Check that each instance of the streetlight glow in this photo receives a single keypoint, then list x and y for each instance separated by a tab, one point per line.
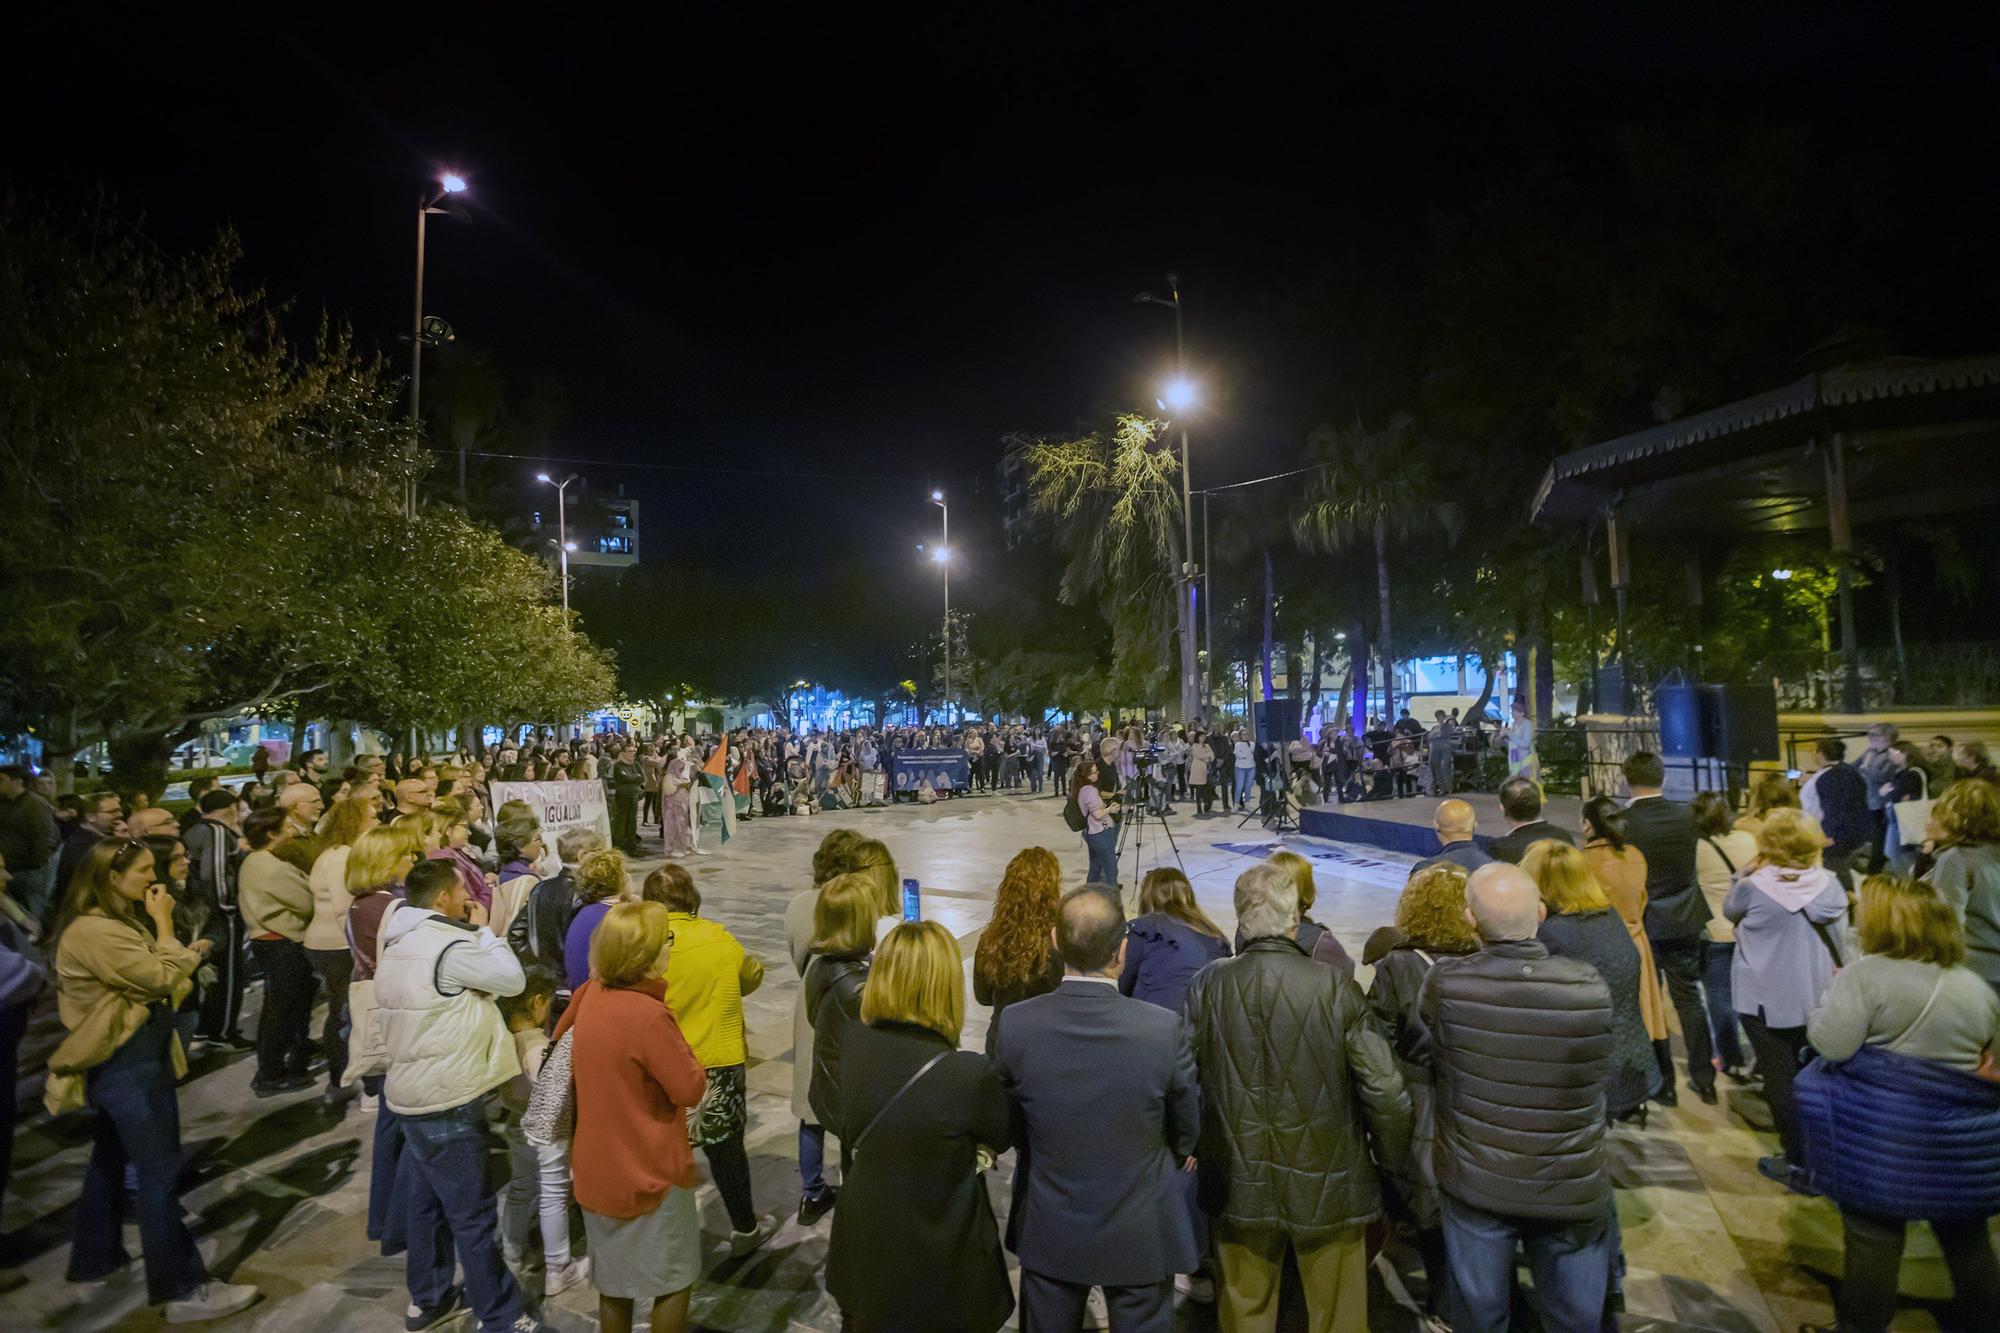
1180	395
1781	574
544	478
942	555
937	497
452	182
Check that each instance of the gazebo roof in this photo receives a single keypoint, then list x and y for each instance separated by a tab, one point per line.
1920	437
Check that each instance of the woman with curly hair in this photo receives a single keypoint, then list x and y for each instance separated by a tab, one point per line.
1965	831
1430	924
600	886
1016	958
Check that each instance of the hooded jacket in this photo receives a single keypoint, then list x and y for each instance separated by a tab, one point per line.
1790	927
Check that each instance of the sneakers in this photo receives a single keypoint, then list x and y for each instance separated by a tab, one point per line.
527	1323
1096	1313
341	1094
562	1277
747	1242
418	1317
367	1104
811	1209
1793	1178
277	1087
1197	1287
212	1300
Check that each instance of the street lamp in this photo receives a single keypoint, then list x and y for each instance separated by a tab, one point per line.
562	531
449	184
1180	396
943	558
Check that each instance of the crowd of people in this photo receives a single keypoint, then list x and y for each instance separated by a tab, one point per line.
1184	1104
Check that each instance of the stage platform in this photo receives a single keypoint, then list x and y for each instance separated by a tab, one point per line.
1405	826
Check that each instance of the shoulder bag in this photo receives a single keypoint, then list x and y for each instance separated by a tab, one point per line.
367	1046
551	1114
895	1097
1912	817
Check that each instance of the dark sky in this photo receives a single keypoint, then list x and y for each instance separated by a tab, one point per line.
870	247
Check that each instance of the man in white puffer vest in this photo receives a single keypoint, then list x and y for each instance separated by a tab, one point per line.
449	1051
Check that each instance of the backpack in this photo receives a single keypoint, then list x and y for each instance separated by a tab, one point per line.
1073	815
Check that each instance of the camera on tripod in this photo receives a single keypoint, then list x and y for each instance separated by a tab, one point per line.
1147	757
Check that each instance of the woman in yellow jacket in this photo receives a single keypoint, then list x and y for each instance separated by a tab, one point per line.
119	973
710	975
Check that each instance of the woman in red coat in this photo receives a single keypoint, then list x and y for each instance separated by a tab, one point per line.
635	1080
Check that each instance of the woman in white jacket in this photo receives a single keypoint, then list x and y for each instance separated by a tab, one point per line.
326	934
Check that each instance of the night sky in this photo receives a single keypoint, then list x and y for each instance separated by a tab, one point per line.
865	250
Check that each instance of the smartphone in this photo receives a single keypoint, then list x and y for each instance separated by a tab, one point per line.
913	903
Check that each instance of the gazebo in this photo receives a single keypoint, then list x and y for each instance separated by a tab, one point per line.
1853	444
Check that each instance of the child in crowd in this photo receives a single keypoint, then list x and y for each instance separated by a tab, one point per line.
540	1184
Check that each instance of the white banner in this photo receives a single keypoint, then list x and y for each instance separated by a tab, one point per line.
559	806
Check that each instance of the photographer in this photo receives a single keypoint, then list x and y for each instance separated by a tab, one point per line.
1100	832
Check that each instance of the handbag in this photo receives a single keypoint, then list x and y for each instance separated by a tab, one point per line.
551	1114
367	1044
1913	817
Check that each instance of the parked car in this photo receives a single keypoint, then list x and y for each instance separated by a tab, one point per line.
196	754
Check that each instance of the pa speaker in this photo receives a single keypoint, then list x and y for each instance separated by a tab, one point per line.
1739	723
1679	707
1277	721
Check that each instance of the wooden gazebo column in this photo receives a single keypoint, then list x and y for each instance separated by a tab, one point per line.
1840	538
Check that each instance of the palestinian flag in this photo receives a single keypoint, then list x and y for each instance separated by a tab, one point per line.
715	777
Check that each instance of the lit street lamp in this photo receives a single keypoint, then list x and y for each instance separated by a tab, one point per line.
562	532
1180	396
448	185
942	555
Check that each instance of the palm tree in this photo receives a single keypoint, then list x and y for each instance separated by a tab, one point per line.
1373	486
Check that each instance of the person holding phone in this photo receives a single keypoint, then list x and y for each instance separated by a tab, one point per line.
119	972
1100	830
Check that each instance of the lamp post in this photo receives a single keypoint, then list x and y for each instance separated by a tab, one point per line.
562	531
448	184
1180	396
943	557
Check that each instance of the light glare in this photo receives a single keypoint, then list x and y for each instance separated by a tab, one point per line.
452	182
942	555
544	478
1180	395
1781	574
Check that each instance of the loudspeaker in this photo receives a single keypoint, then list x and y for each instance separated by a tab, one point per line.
1679	706
1739	723
1277	720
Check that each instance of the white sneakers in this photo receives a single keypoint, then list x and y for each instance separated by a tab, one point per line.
747	1242
562	1277
212	1300
1197	1287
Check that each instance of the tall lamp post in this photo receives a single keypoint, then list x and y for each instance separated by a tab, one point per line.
943	557
448	184
562	531
1180	396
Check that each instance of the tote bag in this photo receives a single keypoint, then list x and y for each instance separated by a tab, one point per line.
1911	818
551	1114
367	1045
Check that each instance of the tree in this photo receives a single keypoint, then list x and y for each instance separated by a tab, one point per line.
1373	486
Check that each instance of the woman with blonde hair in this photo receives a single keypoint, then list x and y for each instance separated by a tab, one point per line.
1318	942
712	973
843	938
1965	828
1719	850
119	973
1789	912
915	1244
601	882
636	1079
1900	1130
1771	791
1620	869
1016	958
376	866
1580	924
838	853
326	934
1430	924
1168	942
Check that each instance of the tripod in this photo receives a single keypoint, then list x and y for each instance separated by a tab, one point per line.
1132	828
1277	815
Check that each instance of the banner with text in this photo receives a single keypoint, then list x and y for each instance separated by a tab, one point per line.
559	806
946	770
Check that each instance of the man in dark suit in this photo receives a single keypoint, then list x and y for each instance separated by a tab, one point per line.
1676	912
1842	796
1107	1116
1521	802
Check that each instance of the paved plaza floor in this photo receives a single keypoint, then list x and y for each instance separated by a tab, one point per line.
278	1187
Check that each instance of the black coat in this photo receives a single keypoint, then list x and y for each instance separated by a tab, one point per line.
539	930
1602	940
1295	1081
833	1000
998	998
1520	1047
1392	995
1511	847
1843	804
1106	1110
915	1246
1663	831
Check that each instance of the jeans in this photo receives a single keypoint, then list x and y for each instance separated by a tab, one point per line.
812	1161
13	1022
1778	1061
335	969
729	1167
1571	1262
1245	778
1103	849
386	1221
450	1201
138	1122
1680	962
537	1191
1875	1254
1721	1005
283	1027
